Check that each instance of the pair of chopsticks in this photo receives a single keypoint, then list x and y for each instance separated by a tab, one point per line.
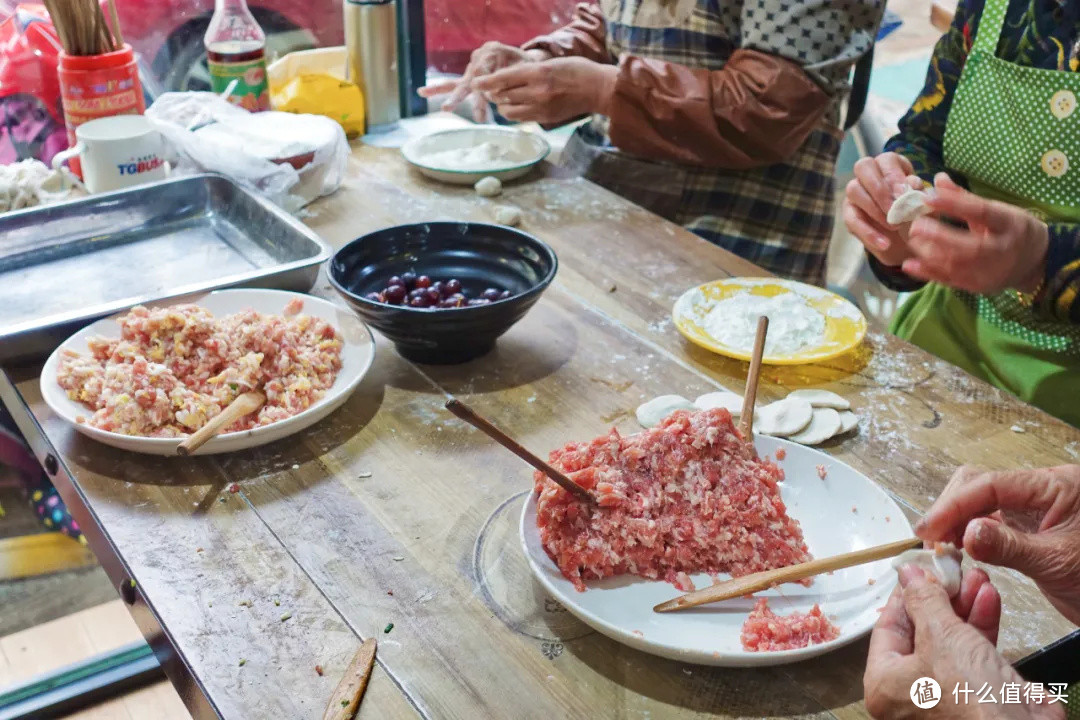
756	582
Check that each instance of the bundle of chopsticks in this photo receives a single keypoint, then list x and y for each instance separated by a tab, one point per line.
82	28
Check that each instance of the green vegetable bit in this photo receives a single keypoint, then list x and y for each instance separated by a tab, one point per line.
285	616
388	628
243	662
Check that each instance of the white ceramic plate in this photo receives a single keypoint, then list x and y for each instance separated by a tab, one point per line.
526	151
356	355
621	607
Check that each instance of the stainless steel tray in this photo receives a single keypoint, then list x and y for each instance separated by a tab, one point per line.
63	266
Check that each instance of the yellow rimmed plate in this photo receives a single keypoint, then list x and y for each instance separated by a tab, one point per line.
845	326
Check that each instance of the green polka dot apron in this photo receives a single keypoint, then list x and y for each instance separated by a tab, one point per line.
1014	133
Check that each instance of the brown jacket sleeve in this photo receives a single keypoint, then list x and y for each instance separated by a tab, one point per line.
585	36
757	110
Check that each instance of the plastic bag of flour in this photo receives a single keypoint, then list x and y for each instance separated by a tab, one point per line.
291	159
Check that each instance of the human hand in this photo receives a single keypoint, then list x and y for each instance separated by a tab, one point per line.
922	634
551	92
1027	520
1002	247
486	59
878	181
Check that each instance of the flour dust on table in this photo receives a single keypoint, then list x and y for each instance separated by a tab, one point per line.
793	324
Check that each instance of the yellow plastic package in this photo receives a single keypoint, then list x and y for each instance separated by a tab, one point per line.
313	81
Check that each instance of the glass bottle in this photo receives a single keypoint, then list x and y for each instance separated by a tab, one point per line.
236	51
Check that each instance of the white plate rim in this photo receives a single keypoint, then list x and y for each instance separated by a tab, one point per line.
527	528
408	150
226	441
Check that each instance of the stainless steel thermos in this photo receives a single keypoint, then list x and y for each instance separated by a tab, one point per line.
371	42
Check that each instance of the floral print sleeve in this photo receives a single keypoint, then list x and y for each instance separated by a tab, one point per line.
922	129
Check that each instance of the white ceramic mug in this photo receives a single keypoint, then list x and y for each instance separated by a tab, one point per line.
117	152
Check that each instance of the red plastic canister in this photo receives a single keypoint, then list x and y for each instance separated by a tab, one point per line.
94	86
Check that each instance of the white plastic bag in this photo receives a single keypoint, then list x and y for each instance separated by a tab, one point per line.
291	159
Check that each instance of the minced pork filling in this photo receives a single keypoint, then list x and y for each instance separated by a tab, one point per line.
688	496
174	368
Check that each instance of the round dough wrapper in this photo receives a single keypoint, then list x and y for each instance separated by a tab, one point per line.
821	398
723	399
508	215
650	414
943	563
908	207
488	186
848	422
783	417
824	424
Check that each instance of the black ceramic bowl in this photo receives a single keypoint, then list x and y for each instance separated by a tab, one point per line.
477	254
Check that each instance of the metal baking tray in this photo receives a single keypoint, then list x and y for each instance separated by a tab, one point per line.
63	266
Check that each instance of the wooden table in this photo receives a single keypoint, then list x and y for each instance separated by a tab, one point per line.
392	511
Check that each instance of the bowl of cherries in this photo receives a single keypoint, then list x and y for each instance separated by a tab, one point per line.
443	292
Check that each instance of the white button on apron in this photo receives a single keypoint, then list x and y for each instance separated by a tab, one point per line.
1062	104
1055	163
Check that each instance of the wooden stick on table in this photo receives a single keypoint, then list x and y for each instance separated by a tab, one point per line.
746	423
244	404
350	691
755	582
470	416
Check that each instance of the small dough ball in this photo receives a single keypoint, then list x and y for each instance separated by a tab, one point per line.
650	414
821	398
942	563
488	186
783	417
724	399
910	206
508	215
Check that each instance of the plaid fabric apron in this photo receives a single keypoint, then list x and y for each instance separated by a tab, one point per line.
779	217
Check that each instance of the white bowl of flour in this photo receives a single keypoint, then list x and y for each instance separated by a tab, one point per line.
463	156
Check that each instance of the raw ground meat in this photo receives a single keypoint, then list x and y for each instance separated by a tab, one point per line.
685	497
766	631
174	368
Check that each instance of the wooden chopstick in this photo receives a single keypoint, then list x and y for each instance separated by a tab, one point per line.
347	695
746	423
244	404
737	587
469	415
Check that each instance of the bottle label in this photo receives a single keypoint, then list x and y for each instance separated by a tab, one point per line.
252	91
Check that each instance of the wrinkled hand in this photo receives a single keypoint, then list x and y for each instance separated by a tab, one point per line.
486	59
1002	247
878	181
553	91
921	634
1027	520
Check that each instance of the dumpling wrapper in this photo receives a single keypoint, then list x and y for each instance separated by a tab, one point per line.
821	398
823	425
783	417
723	399
649	414
908	207
848	422
942	563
